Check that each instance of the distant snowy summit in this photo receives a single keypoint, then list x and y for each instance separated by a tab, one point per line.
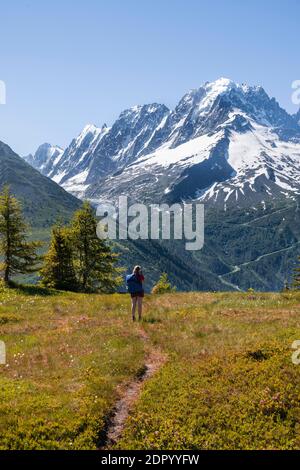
225	144
45	158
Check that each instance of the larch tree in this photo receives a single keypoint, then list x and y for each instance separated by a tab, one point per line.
19	255
94	261
58	269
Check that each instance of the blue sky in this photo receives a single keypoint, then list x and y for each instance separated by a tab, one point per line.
68	63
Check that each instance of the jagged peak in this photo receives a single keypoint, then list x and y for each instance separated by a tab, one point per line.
297	116
43	146
147	108
222	86
91	132
89	128
47	147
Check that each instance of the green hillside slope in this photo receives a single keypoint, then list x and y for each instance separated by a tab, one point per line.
43	200
257	248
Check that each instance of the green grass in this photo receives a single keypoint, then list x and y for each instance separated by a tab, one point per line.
228	383
66	356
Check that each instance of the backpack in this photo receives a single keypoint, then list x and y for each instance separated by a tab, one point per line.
133	285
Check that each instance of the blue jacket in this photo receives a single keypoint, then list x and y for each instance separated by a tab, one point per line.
133	285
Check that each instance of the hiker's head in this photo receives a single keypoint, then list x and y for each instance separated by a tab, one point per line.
137	270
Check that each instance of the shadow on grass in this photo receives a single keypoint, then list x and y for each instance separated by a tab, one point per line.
27	289
151	320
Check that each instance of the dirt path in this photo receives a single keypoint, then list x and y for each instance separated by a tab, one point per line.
128	396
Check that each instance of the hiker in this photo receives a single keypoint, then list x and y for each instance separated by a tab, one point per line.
135	288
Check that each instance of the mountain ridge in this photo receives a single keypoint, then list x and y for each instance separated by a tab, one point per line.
223	144
43	201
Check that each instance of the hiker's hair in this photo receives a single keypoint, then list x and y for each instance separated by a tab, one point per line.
136	269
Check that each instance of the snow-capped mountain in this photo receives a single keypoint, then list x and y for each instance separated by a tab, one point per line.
99	152
224	143
45	158
75	161
297	117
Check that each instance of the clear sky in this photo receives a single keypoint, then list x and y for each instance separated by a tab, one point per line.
68	63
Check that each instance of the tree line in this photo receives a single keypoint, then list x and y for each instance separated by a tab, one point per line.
77	260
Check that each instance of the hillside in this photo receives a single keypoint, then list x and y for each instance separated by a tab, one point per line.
257	248
71	357
43	201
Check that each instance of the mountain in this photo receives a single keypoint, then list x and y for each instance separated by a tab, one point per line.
225	144
43	201
254	248
99	152
72	166
297	117
45	158
228	145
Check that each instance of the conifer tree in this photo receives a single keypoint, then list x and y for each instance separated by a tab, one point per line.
163	285
58	270
19	255
296	282
94	261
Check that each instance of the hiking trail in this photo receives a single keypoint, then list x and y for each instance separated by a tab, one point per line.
115	424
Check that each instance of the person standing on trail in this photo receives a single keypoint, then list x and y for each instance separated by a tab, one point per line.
135	288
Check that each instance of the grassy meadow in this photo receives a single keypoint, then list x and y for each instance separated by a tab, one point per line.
228	382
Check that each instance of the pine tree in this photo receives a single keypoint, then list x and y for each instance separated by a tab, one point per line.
19	255
296	282
58	270
163	285
94	260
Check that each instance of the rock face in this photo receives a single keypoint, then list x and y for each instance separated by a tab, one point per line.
297	117
225	144
45	158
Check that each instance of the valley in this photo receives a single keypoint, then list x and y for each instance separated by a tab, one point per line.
229	146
